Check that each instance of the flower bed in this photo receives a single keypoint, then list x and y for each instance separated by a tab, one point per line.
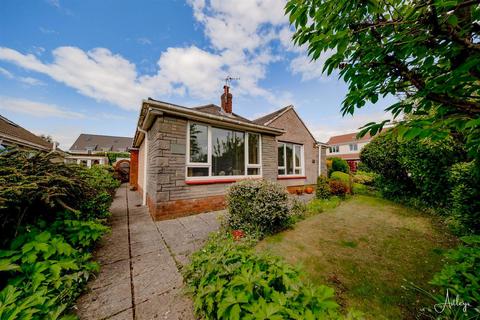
52	214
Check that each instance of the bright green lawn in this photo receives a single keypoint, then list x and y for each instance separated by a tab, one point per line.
367	249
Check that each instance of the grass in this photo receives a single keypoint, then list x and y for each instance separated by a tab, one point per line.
368	249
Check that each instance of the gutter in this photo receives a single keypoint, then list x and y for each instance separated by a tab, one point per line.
146	120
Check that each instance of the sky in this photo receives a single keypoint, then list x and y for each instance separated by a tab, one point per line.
71	67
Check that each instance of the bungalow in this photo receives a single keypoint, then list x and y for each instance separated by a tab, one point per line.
90	149
183	159
13	135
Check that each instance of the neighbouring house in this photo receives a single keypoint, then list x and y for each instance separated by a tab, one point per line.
183	159
90	149
347	147
13	135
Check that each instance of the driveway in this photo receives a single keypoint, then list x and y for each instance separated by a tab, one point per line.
140	263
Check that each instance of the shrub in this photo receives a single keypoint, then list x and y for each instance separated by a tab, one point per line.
341	176
338	188
460	277
359	188
257	206
465	195
44	274
339	165
323	189
51	211
363	177
230	281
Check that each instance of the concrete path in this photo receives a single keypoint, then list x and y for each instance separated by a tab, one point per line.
140	264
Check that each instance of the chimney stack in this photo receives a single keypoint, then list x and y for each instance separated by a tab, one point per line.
226	100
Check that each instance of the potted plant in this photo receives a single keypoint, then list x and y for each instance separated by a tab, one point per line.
309	189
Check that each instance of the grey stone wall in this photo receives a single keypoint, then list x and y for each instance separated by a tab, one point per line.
269	158
167	162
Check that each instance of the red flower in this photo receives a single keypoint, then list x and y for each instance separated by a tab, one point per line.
238	234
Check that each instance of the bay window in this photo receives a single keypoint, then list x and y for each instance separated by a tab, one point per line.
216	152
290	159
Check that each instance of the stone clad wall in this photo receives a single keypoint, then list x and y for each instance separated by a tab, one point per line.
168	194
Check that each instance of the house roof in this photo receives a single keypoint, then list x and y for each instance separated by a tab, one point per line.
14	133
208	113
348	137
216	110
267	119
346	156
95	142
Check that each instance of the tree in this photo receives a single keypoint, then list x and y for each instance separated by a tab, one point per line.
426	52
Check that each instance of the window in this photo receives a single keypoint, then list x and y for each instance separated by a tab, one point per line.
290	159
353	147
334	149
217	152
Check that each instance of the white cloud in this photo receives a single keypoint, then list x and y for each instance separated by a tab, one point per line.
31	81
47	31
240	34
37	109
27	80
7	74
309	69
337	125
144	41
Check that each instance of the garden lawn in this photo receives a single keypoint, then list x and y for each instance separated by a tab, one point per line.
368	249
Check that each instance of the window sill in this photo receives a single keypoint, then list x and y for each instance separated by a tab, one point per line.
290	177
216	181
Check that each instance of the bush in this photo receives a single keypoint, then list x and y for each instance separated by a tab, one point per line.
359	188
340	176
34	186
465	195
230	281
323	189
259	207
340	165
51	210
338	188
460	276
366	178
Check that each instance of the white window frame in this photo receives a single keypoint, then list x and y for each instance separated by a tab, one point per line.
353	146
208	164
334	149
284	167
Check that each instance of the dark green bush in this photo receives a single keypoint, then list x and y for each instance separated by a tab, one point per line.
339	165
229	280
323	189
382	156
258	206
50	222
460	276
465	197
338	188
427	174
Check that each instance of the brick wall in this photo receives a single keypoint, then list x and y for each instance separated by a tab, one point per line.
133	168
297	133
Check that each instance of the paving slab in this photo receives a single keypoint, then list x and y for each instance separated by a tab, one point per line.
140	263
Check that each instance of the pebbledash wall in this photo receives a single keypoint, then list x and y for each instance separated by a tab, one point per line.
168	193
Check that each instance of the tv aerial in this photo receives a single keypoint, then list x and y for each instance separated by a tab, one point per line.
229	79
